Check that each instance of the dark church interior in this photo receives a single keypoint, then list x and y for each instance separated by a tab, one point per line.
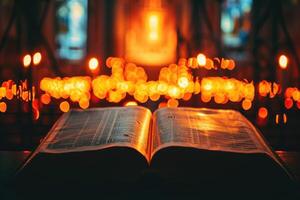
57	56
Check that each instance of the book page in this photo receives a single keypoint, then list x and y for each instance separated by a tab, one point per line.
93	129
209	129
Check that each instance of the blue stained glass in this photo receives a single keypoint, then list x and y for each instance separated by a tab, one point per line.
71	35
235	22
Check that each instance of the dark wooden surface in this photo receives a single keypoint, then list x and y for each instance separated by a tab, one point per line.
11	160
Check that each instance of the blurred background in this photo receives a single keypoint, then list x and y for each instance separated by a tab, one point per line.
262	37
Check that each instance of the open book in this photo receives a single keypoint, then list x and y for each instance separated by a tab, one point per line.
174	144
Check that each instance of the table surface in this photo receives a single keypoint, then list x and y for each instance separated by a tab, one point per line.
11	160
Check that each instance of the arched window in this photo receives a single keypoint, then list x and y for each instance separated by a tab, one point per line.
235	22
71	29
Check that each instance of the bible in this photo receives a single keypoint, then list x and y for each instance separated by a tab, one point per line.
176	145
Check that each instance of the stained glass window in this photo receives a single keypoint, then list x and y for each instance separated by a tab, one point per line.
235	22
71	29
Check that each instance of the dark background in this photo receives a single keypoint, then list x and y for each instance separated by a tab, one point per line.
29	26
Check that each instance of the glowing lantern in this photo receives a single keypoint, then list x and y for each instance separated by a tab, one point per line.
93	64
64	106
262	113
201	59
37	58
283	61
26	60
3	107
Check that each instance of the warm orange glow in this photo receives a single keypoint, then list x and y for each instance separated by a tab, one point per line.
37	58
131	103
201	59
275	90
296	95
183	82
172	103
93	64
75	88
2	92
277	119
9	94
262	113
64	106
151	37
288	103
283	61
264	87
84	103
162	105
26	60
246	104
3	107
298	104
284	118
154	26
45	99
205	98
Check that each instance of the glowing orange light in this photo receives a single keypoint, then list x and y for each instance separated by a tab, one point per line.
289	92
296	95
37	58
284	118
26	60
93	64
3	107
183	82
45	99
262	113
64	106
131	103
277	119
205	98
283	61
172	103
153	23
288	103
2	92
84	103
246	104
162	105
201	59
9	94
